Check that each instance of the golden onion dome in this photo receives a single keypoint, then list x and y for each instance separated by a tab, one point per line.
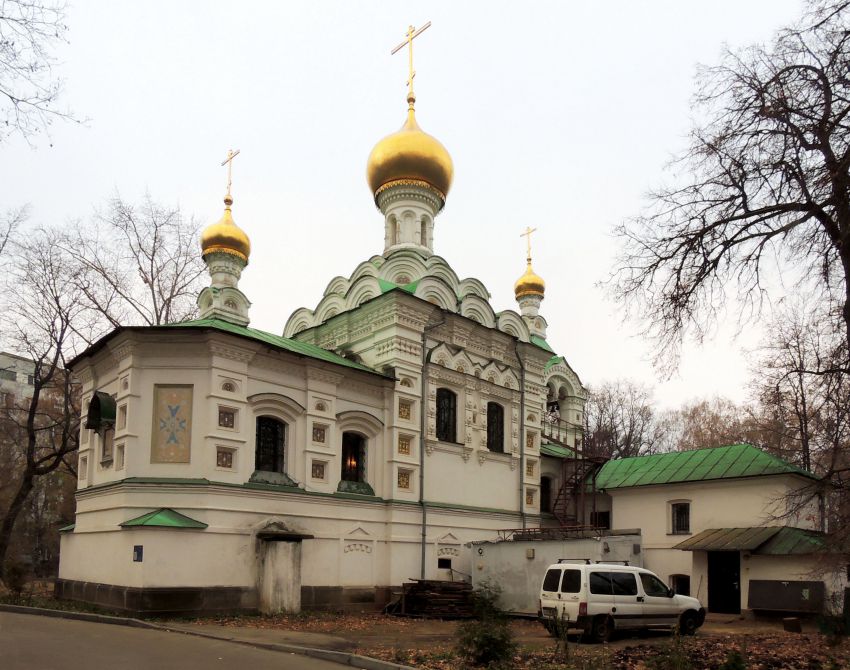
225	236
529	284
410	155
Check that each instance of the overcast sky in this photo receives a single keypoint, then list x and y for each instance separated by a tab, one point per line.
558	115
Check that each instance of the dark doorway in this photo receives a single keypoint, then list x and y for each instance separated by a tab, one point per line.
724	582
545	494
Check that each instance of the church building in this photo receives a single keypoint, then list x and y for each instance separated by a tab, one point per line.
226	468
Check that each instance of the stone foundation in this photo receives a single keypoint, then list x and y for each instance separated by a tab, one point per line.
196	601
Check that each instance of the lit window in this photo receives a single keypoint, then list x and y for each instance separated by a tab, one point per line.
404	479
353	457
404	445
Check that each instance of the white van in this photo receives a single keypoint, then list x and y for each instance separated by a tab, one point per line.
599	598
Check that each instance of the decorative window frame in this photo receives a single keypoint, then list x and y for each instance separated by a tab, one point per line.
234	455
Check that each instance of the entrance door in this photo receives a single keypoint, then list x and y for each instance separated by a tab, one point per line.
724	582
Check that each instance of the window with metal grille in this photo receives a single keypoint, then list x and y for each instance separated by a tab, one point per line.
271	443
681	517
353	457
446	415
495	427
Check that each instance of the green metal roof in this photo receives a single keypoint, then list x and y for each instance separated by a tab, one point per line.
543	344
738	460
163	518
284	343
556	450
554	361
761	540
387	286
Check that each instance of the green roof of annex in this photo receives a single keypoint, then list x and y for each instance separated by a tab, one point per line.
732	462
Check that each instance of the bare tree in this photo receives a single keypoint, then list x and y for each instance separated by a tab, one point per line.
620	420
44	316
138	265
707	423
9	224
64	290
763	189
29	88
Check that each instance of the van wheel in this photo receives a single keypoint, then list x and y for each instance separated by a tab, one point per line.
688	623
601	629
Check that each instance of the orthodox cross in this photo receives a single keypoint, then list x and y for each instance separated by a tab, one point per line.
527	236
231	154
411	34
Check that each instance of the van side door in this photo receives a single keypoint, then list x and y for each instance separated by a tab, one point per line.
659	608
627	600
600	599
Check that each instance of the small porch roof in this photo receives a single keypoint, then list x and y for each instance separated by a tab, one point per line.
760	540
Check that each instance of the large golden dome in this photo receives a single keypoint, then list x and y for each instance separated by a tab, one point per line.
529	284
410	155
225	236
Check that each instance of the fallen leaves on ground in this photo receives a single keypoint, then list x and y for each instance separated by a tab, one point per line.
759	652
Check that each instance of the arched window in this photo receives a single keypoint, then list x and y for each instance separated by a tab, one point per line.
271	444
353	457
446	415
545	494
495	427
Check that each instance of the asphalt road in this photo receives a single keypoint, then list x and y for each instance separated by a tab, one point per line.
30	642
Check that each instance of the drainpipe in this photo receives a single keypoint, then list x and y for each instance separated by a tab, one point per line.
521	434
426	358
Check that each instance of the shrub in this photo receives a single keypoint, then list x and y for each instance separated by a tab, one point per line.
486	640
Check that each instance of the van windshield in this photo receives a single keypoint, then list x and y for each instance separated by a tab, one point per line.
550	581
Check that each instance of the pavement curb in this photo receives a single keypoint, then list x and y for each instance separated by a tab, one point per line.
341	657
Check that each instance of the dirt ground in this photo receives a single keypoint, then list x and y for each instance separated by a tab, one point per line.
428	644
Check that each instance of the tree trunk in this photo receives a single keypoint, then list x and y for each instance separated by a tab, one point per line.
15	507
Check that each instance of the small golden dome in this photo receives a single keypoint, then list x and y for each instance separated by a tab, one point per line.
410	155
225	236
529	284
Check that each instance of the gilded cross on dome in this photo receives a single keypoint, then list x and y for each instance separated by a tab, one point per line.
527	236
412	33
231	154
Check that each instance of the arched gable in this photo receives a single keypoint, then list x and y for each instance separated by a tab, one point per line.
367	269
300	319
402	267
479	310
328	307
437	267
513	324
436	291
336	286
362	290
472	286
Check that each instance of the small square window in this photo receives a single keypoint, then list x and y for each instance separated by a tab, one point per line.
529	497
404	479
529	441
405	409
318	470
224	457
320	431
529	468
444	564
226	417
404	445
119	457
